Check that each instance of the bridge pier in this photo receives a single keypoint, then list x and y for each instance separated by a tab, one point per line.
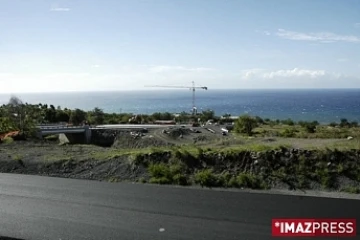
87	135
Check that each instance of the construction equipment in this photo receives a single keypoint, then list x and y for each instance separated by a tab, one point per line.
192	88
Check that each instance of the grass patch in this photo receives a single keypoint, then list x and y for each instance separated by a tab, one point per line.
8	140
251	147
113	179
50	159
307	130
17	157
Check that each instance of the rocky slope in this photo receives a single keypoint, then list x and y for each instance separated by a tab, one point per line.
281	168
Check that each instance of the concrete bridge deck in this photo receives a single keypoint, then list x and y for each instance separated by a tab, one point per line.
72	131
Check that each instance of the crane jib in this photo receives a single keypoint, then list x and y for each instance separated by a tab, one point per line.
193	87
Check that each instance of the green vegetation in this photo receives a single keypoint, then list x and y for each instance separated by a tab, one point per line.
247	180
162	173
207	178
17	157
19	116
246	124
8	140
78	116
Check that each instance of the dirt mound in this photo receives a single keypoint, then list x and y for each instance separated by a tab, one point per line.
126	141
201	139
117	169
176	133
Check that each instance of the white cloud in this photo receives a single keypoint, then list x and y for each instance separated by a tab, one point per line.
250	73
165	68
136	77
59	9
296	72
325	37
295	78
287	73
267	33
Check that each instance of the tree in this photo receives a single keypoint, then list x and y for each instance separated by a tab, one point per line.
162	116
288	121
77	116
333	124
62	116
245	124
50	115
183	117
310	127
344	122
259	120
97	116
354	124
207	115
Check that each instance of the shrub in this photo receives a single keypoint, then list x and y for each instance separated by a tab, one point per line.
180	179
206	178
224	179
142	180
304	182
310	128
247	180
288	121
259	120
327	179
245	124
160	173
8	140
289	132
333	124
344	123
354	124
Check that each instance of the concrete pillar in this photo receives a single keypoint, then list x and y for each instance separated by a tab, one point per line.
87	134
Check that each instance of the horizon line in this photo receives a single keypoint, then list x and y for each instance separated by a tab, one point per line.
160	89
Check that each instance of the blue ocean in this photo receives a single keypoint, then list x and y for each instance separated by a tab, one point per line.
323	105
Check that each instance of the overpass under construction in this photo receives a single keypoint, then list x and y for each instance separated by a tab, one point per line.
83	134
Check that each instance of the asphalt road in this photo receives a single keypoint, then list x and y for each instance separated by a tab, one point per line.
33	207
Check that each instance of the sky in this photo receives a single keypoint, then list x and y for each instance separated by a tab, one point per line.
93	45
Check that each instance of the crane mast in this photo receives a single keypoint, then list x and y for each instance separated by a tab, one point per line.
192	88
